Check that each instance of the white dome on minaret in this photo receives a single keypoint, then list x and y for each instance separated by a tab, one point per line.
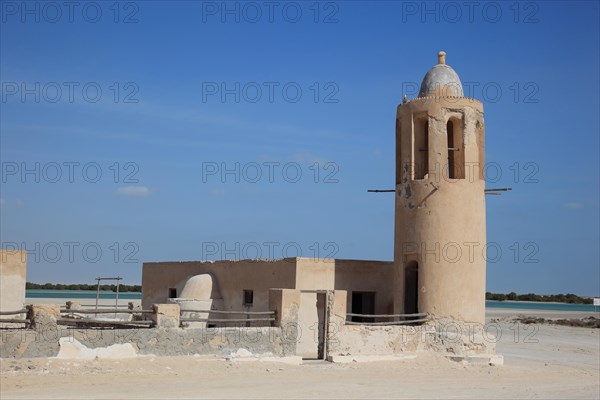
441	80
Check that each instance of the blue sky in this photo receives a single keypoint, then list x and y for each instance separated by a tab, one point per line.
170	94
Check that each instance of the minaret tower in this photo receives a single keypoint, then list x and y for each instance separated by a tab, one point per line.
440	238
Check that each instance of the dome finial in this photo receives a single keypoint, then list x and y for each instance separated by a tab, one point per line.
441	80
442	57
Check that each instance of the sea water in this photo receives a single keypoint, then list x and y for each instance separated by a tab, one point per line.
532	305
78	294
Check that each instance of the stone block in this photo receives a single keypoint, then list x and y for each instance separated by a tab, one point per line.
44	314
73	305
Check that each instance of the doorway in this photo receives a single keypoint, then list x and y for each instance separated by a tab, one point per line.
312	322
363	303
411	288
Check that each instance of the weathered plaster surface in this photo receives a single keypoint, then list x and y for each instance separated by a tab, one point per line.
437	215
157	341
13	271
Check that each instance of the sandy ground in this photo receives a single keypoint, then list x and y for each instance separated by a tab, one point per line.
89	304
540	362
548	314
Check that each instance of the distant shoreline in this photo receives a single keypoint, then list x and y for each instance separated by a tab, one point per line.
78	294
535	302
71	291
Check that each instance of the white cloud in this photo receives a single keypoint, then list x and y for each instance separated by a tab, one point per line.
573	205
2	202
133	191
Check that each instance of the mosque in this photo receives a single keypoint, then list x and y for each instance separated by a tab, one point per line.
440	230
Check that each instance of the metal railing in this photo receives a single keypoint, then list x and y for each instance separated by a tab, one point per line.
93	311
270	316
75	316
416	318
106	305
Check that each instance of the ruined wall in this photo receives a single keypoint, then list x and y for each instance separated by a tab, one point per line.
13	275
360	340
454	339
449	338
26	343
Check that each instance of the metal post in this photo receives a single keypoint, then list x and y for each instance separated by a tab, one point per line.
117	298
326	323
97	293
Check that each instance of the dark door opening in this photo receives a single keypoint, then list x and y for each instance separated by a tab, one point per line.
322	325
363	303
411	288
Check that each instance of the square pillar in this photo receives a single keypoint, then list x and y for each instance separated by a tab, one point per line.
43	316
166	315
337	307
285	303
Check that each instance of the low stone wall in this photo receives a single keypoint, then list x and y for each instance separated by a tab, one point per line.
46	335
453	339
48	332
463	340
359	340
45	342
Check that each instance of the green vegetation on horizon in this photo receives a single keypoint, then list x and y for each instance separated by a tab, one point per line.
569	298
83	286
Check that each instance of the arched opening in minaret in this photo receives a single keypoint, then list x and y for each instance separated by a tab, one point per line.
411	288
398	151
421	141
456	150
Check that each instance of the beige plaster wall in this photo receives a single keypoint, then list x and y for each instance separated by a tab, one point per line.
13	275
308	320
231	277
286	304
367	276
376	340
315	273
